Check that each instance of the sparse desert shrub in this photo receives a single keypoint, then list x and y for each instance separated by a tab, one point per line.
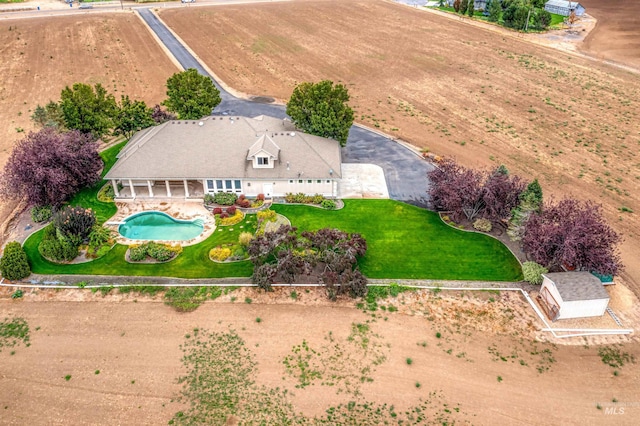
532	272
482	225
41	214
14	264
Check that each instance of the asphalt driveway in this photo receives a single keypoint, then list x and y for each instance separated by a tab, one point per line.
404	170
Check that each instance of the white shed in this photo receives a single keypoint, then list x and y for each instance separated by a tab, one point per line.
564	7
572	295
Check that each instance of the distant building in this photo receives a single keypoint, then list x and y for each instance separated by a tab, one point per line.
477	4
564	7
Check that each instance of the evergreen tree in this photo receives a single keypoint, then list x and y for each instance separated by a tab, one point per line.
495	10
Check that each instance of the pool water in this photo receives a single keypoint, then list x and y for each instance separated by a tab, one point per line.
159	226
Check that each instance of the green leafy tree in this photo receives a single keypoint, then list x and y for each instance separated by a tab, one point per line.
495	10
515	16
132	116
50	115
464	5
88	109
321	109
191	95
471	8
542	19
14	264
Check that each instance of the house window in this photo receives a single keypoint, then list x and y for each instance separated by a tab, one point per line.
219	184
328	181
300	181
309	181
263	161
210	184
228	185
238	185
318	181
290	180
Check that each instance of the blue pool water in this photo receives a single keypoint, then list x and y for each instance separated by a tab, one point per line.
159	226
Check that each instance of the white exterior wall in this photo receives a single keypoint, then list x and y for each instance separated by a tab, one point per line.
279	188
583	308
578	308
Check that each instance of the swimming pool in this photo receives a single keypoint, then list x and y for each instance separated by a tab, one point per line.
159	226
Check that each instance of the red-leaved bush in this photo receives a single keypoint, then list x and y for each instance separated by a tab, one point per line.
48	167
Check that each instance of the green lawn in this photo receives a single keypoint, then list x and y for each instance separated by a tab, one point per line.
403	242
409	242
87	198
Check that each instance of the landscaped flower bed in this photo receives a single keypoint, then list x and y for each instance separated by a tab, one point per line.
152	252
316	200
229	216
232	252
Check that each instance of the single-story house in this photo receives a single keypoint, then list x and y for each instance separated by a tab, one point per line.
564	7
186	159
572	295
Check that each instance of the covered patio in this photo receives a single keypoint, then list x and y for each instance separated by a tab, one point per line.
136	189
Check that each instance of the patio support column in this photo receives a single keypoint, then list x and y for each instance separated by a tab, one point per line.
114	185
133	191
150	188
166	182
186	189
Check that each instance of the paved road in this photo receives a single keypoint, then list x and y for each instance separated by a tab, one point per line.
405	172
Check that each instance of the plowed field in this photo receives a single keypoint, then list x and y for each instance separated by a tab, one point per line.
40	56
455	89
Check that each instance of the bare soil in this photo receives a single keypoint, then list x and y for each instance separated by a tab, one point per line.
134	343
483	97
40	56
616	36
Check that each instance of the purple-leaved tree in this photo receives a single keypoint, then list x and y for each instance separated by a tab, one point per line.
573	234
48	167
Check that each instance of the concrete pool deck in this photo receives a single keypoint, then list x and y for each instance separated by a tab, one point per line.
177	210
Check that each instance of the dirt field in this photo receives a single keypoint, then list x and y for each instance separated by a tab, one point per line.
617	34
41	56
134	343
454	89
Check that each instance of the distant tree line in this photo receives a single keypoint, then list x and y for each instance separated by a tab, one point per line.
517	14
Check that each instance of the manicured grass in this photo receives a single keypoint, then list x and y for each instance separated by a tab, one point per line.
88	197
556	19
409	242
403	242
193	262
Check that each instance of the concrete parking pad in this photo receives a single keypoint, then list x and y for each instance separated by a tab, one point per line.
362	181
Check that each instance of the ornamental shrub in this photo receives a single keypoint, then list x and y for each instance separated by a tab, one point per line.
159	252
224	215
225	198
41	214
532	272
231	210
317	199
245	239
217	210
268	215
14	264
328	204
220	253
98	236
138	253
58	250
260	197
74	223
208	199
483	225
230	220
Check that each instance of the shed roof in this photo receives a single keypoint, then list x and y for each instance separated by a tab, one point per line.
219	147
580	285
563	3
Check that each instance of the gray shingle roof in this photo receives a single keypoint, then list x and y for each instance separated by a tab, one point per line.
580	285
563	3
217	147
